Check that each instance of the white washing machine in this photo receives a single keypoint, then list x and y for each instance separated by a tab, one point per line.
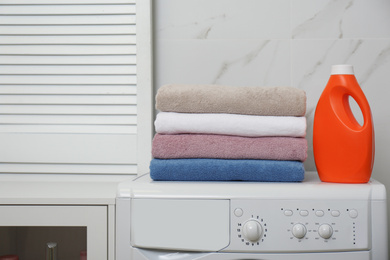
247	220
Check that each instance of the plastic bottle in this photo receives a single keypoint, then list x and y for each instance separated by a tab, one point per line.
343	149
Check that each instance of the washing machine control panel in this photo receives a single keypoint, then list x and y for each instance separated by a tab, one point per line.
299	225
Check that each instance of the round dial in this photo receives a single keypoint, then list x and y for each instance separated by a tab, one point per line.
325	231
299	230
252	230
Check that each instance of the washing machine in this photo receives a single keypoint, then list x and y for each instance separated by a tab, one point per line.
248	220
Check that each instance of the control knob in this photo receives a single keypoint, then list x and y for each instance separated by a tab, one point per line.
252	230
325	231
299	230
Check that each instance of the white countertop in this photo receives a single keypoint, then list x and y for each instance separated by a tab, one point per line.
59	189
311	187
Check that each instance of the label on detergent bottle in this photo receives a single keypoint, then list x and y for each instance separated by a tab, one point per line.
343	149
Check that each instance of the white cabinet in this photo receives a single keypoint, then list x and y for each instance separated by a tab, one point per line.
77	211
72	131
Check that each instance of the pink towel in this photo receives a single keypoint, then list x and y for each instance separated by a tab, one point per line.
228	147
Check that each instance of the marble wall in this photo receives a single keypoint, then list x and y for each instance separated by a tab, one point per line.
280	43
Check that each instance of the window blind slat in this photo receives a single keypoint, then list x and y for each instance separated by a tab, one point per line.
69	89
66	39
69	109
62	49
67	29
69	69
69	129
69	99
67	20
48	9
68	59
54	2
69	119
71	79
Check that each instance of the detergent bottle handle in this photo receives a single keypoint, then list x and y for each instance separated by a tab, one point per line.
363	106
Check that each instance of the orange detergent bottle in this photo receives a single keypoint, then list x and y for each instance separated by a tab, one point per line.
343	149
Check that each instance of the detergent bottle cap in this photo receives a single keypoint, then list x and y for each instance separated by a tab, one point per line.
342	69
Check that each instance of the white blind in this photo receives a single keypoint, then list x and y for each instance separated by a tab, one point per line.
68	86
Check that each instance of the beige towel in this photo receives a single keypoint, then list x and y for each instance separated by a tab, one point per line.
265	101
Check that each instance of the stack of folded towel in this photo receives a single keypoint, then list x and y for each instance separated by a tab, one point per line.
221	133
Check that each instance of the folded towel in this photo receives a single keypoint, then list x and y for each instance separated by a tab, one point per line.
226	170
228	147
266	101
230	124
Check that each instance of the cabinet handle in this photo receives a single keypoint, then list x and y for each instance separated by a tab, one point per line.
51	251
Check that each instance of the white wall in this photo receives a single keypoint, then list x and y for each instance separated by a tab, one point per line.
280	42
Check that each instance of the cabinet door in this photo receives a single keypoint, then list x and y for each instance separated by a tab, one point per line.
75	74
93	218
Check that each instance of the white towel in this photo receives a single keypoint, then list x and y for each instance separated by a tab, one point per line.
230	124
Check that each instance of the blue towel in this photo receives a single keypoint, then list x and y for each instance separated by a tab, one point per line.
226	170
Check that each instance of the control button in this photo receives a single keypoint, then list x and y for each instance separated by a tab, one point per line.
304	213
325	231
299	230
288	212
353	213
238	212
335	213
252	230
320	213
